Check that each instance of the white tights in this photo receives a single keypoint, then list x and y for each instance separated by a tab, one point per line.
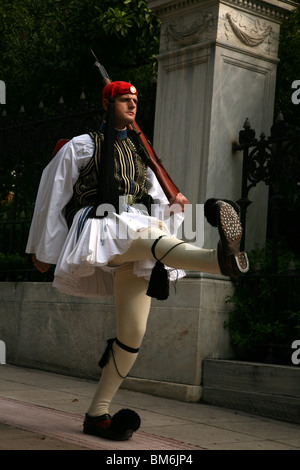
133	305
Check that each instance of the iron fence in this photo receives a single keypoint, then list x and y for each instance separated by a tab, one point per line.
266	311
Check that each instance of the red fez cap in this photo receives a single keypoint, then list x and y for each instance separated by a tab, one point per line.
118	88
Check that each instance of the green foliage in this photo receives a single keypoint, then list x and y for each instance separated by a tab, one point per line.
10	263
132	31
45	47
16	267
254	327
45	50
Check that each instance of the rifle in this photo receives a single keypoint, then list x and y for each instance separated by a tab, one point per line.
169	187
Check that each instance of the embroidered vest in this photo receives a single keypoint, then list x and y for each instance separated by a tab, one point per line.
130	175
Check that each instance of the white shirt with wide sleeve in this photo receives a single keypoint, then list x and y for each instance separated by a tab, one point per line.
82	257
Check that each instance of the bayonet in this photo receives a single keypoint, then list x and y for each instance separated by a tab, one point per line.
104	75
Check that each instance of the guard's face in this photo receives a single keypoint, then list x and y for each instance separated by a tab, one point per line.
125	110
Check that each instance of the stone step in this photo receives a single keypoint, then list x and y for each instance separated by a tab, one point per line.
263	389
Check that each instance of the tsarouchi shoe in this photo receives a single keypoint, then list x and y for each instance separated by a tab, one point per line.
232	261
211	209
120	427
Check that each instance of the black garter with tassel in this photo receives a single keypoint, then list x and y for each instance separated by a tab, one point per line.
158	287
109	351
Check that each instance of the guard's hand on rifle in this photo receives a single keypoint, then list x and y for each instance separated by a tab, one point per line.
40	265
177	204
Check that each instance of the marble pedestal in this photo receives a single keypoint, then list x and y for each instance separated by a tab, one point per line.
216	67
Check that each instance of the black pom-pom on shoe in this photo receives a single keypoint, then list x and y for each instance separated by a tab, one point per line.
125	422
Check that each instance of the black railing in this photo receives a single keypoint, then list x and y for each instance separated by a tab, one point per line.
265	319
276	162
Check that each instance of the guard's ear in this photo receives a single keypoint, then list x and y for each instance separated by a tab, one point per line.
105	103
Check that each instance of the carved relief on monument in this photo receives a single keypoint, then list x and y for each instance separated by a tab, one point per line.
250	32
182	32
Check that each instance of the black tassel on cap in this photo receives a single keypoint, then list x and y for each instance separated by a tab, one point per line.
107	187
211	210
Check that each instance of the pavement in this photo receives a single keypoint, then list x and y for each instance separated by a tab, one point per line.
44	411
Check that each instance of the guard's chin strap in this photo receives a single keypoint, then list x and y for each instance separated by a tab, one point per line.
110	352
